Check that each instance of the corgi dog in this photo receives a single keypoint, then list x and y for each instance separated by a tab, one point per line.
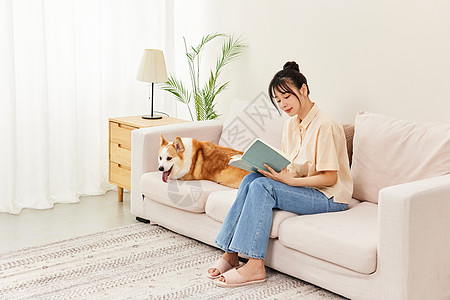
190	159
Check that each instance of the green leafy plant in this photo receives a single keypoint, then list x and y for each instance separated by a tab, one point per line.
203	97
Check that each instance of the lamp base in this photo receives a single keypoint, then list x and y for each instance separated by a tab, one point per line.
154	117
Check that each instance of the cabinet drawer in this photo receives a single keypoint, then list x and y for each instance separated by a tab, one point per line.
120	134
120	175
120	155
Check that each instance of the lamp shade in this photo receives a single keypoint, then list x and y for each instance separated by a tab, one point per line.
152	67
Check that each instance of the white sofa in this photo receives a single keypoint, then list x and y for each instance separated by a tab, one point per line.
392	243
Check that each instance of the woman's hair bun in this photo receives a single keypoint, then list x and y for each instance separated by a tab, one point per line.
291	65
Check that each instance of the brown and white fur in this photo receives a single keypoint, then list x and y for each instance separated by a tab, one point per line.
190	159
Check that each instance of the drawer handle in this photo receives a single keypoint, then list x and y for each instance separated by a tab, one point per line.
123	167
122	147
124	126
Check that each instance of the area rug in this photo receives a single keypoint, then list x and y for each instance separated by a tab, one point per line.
138	261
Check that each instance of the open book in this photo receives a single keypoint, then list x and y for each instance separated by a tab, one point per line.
258	154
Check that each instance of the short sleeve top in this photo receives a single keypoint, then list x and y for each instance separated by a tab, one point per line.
315	144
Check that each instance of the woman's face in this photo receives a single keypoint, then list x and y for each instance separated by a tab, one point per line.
288	102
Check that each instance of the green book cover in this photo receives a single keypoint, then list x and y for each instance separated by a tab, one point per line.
258	154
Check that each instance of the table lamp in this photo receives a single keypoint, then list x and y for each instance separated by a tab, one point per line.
152	69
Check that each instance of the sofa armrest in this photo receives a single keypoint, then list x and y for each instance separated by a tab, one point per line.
414	240
145	144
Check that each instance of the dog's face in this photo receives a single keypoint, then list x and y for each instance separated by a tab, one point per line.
170	158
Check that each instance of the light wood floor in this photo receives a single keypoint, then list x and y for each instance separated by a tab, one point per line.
64	221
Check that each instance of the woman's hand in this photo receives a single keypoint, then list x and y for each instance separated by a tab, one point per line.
284	176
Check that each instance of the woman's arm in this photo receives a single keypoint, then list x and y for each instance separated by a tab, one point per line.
325	178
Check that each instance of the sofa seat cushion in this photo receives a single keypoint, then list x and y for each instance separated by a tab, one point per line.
348	238
189	195
220	202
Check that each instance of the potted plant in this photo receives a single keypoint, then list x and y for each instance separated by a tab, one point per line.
203	96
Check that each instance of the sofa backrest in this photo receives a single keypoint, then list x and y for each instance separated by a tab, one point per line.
389	151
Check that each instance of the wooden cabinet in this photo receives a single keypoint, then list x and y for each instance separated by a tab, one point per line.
120	147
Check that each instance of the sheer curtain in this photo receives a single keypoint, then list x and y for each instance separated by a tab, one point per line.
67	66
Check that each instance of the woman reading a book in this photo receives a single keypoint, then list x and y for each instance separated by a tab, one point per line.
317	181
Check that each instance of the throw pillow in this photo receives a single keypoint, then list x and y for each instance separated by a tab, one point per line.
389	151
249	120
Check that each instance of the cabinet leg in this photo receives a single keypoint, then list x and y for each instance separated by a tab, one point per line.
119	194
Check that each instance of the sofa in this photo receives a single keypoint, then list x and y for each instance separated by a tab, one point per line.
392	243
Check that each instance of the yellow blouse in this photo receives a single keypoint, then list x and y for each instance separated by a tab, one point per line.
315	144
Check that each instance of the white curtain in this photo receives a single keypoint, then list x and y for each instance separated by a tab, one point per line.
66	67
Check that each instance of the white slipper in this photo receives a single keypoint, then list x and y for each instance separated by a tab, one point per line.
222	265
234	279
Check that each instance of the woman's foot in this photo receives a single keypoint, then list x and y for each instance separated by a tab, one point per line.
229	257
253	270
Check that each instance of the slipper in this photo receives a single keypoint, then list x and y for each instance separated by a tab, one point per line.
222	265
234	279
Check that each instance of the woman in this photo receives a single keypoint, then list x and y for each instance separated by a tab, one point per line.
318	180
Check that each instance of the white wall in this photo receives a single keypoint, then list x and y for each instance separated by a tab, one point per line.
390	57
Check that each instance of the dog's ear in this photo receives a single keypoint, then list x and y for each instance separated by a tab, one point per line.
163	142
178	144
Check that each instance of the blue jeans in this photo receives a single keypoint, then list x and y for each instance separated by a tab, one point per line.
247	226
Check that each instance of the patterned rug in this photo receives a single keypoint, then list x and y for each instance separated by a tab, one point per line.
138	261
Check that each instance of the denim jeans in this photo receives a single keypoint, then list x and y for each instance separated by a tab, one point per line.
247	226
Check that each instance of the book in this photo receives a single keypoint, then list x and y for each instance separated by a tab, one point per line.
258	154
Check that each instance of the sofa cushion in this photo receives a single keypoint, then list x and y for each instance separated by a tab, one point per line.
348	238
220	202
186	195
349	131
250	120
389	151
